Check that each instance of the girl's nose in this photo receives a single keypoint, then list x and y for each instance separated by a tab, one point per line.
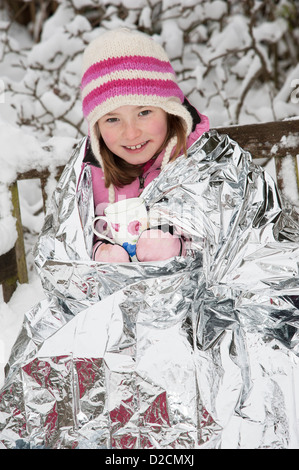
131	130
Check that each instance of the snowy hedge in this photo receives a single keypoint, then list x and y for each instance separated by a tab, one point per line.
236	61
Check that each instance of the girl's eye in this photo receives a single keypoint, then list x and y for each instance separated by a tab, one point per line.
111	120
145	112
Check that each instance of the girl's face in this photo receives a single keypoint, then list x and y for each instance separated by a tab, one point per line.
134	133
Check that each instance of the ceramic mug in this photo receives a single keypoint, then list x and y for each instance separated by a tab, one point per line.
126	220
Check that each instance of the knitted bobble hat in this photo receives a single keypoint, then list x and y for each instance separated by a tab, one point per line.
124	67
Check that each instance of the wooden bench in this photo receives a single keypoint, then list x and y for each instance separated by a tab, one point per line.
265	141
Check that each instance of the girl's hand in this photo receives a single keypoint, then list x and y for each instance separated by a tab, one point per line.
108	253
156	245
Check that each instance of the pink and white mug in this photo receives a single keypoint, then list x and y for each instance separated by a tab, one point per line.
126	220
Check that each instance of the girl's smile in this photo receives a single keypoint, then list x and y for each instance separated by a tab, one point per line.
134	133
136	147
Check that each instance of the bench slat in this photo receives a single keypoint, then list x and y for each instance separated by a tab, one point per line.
262	140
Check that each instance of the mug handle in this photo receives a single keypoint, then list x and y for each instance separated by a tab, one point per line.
101	235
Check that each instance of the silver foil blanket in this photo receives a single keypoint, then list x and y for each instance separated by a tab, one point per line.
194	352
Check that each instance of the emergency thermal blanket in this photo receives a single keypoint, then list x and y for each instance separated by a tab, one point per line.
198	351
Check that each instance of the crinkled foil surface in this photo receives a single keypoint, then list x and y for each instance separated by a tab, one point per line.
195	352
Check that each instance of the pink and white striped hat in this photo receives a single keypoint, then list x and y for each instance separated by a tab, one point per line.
124	67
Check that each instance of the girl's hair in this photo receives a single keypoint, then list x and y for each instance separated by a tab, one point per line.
118	172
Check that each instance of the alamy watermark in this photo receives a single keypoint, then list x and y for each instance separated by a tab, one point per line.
295	92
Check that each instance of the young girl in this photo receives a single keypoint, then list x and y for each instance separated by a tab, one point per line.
139	121
120	354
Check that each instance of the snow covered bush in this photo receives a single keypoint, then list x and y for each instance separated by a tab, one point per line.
236	61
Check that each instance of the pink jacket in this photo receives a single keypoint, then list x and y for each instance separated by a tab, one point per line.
100	192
